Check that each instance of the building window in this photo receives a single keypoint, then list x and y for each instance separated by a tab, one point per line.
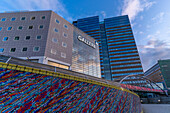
24	49
63	55
56	30
13	50
33	18
38	37
9	28
1	50
23	18
3	19
53	51
20	27
27	37
0	28
64	34
16	38
36	49
13	19
54	40
57	21
66	26
43	17
41	27
30	27
64	44
5	39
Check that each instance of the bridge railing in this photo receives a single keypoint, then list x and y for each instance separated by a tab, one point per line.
137	88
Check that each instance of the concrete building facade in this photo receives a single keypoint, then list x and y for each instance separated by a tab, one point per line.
45	37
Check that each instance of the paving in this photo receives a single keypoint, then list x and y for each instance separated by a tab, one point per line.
156	108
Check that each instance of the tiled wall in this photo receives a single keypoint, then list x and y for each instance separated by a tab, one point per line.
30	92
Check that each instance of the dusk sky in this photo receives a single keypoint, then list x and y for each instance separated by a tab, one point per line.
150	19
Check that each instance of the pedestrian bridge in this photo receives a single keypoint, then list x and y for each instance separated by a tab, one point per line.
141	89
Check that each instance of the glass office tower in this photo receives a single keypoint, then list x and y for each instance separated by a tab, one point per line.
118	52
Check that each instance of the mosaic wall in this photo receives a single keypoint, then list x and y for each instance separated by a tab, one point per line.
29	92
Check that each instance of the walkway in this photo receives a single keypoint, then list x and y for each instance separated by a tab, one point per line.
156	108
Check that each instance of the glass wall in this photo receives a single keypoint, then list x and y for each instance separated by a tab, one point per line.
85	54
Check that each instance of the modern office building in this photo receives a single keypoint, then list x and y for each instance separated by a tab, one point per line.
160	73
45	37
118	52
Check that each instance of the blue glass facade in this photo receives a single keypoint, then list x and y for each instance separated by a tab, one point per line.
118	52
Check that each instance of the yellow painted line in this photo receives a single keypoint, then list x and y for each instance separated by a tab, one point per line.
60	75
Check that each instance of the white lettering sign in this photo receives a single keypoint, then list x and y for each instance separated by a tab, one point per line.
86	41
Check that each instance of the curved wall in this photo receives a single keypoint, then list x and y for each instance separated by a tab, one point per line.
35	92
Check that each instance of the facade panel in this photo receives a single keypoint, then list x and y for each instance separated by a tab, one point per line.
18	38
84	52
60	39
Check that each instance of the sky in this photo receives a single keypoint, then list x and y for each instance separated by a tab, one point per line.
150	19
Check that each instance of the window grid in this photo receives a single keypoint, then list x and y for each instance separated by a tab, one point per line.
33	18
43	17
3	19
20	27
9	28
30	27
1	50
24	49
53	51
57	21
5	39
27	37
63	55
38	37
64	44
41	27
65	26
23	18
13	19
36	49
54	40
56	30
65	35
16	38
13	50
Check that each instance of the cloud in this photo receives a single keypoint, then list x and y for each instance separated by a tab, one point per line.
153	51
141	17
154	36
33	5
148	26
133	7
103	13
141	32
159	18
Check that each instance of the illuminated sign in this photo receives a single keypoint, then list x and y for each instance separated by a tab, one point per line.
80	38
